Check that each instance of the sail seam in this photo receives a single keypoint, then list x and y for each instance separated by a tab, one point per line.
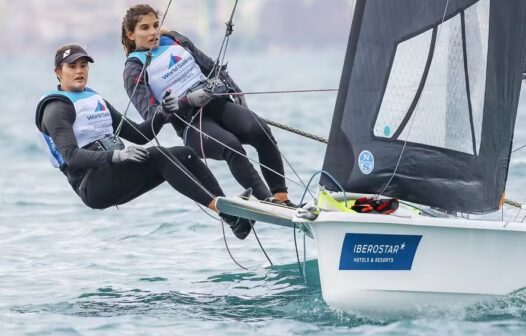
420	89
468	89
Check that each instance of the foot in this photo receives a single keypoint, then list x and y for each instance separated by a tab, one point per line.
241	227
246	194
286	202
272	199
290	204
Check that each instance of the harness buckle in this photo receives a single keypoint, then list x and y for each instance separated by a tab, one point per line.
109	143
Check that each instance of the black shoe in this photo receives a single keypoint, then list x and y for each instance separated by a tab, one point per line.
272	199
286	203
290	204
246	194
241	227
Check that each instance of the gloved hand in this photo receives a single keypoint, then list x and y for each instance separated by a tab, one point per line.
170	102
199	97
131	153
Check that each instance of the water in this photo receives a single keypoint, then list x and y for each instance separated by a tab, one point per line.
158	265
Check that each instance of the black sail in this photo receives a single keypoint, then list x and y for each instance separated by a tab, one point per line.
427	101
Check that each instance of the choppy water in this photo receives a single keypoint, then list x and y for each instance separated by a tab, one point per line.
158	265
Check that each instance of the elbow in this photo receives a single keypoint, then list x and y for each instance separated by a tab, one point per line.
71	158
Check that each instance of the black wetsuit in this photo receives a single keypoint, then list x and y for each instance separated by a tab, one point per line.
227	122
101	183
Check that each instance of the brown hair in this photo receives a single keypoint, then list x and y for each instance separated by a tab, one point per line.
130	20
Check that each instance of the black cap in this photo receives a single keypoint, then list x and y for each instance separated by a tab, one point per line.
70	54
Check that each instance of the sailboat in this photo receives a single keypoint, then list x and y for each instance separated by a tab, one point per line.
425	113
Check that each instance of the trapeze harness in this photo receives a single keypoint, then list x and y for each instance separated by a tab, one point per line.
93	122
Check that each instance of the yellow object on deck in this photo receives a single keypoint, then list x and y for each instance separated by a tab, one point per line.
327	202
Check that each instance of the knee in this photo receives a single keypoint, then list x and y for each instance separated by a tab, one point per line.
233	148
155	152
261	135
233	143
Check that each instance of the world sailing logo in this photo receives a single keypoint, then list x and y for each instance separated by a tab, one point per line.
366	162
100	107
174	60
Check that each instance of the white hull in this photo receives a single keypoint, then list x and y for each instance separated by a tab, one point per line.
445	262
456	262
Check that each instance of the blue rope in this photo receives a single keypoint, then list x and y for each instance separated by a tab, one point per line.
303	268
333	180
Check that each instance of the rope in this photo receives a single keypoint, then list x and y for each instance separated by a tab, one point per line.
235	151
277	124
228	249
513	203
518	149
273	92
297	252
274	143
296	131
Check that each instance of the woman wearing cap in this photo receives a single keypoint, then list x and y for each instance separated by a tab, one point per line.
77	125
179	68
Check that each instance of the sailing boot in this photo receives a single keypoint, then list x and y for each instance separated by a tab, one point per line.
246	194
241	227
276	201
289	204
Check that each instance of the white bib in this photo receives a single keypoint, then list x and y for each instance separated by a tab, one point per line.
173	67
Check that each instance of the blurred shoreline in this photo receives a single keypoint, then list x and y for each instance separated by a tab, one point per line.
259	25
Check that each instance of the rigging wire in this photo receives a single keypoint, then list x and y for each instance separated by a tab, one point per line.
235	151
518	149
261	246
145	65
228	249
304	257
297	251
200	112
302	269
124	119
226	243
273	92
216	70
201	186
274	143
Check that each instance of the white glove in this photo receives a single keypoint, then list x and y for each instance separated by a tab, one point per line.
199	97
132	153
170	102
